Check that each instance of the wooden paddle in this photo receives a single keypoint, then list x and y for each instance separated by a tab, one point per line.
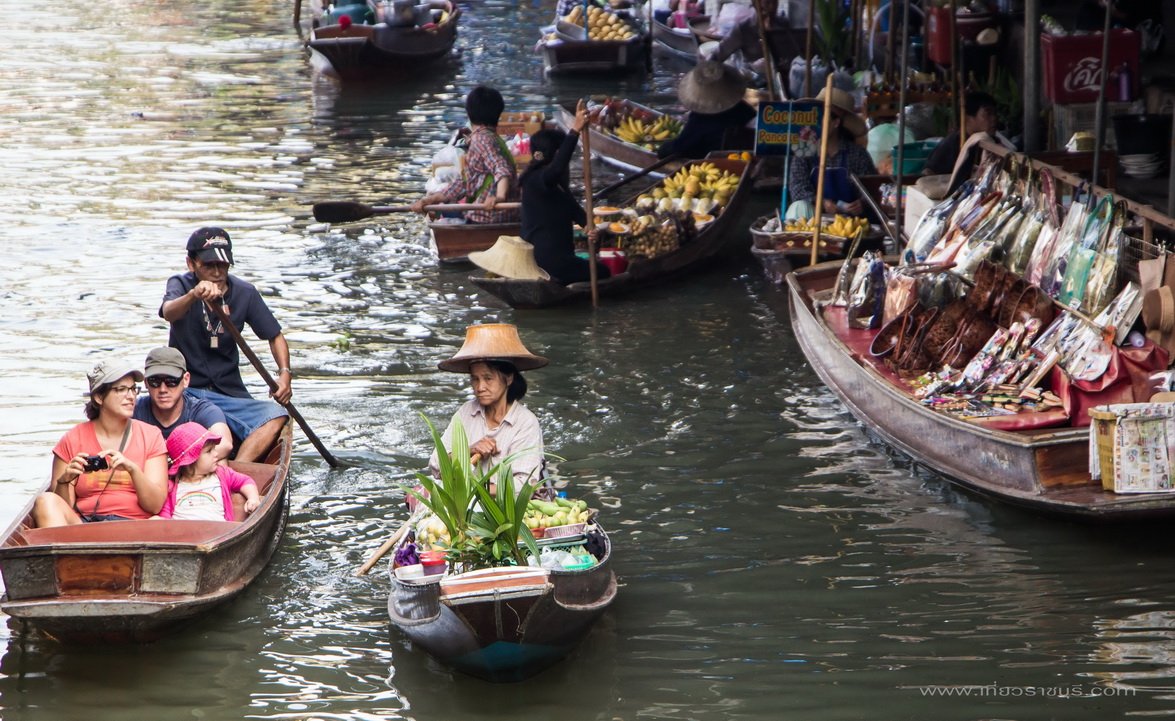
587	207
346	211
823	164
218	309
399	534
599	194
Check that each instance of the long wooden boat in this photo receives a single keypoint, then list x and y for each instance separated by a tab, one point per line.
1045	470
503	624
453	242
610	149
567	52
640	273
679	43
360	51
133	581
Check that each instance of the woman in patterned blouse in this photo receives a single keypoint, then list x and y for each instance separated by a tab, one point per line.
489	176
845	156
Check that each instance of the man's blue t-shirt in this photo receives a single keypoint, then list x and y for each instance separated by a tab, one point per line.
195	409
213	359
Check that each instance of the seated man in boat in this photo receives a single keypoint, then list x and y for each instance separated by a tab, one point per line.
168	403
111	467
949	157
490	175
210	349
845	156
713	95
496	422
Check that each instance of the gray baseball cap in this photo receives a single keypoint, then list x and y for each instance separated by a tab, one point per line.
165	361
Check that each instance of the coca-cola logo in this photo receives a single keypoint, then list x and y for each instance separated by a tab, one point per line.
1085	75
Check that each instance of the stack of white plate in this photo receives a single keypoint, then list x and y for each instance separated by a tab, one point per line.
1145	165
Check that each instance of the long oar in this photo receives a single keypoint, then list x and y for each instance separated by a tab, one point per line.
399	534
638	174
823	165
218	309
346	211
588	210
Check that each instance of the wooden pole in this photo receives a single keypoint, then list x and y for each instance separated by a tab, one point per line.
588	211
893	16
1031	83
768	63
218	310
819	216
956	72
900	162
808	49
1099	123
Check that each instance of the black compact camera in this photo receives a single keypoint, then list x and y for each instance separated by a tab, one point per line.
96	463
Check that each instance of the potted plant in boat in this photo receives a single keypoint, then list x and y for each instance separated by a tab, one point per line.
484	526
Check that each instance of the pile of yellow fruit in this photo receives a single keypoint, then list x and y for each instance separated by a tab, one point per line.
602	25
700	180
640	132
842	226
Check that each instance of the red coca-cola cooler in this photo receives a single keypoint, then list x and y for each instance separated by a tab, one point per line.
1072	65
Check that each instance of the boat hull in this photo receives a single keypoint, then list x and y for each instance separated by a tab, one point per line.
564	55
678	43
504	634
368	52
640	274
1044	470
453	242
612	150
134	581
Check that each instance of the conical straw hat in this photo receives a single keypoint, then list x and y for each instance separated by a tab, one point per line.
510	257
711	87
492	341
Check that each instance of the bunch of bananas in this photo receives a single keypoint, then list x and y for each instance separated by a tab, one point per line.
842	226
640	132
700	180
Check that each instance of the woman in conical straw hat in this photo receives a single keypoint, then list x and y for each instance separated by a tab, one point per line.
845	156
713	94
495	421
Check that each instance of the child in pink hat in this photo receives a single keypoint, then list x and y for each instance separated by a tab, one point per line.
202	489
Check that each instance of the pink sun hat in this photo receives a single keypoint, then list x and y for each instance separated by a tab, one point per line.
185	443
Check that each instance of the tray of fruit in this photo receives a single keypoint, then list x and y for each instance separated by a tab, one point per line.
769	232
602	26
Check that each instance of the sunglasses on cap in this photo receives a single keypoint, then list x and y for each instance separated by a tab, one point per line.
156	381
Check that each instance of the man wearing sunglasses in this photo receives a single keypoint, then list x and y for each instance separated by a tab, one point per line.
168	402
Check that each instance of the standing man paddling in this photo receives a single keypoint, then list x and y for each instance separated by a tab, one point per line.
168	404
209	348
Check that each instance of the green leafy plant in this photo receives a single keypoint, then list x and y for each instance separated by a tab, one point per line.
834	38
484	528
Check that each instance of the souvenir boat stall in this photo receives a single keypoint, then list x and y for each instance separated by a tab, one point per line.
1009	324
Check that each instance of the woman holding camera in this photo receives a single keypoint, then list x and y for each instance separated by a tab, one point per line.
111	467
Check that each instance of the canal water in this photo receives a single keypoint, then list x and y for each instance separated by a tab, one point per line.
775	561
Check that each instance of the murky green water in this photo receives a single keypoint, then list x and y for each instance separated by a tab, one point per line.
775	562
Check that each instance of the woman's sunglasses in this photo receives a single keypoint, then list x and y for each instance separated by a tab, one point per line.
156	381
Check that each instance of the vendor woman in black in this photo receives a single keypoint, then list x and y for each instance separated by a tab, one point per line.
713	94
548	209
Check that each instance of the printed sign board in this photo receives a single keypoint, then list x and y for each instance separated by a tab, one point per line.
789	126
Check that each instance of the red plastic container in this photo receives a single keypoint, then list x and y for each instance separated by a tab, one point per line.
614	260
433	562
1072	65
938	31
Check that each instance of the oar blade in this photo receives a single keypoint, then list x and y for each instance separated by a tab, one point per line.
341	211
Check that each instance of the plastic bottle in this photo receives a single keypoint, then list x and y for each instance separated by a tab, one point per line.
1124	83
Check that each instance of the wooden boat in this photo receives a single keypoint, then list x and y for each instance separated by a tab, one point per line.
679	43
132	581
503	624
780	252
1045	470
641	273
361	51
609	148
568	52
453	242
